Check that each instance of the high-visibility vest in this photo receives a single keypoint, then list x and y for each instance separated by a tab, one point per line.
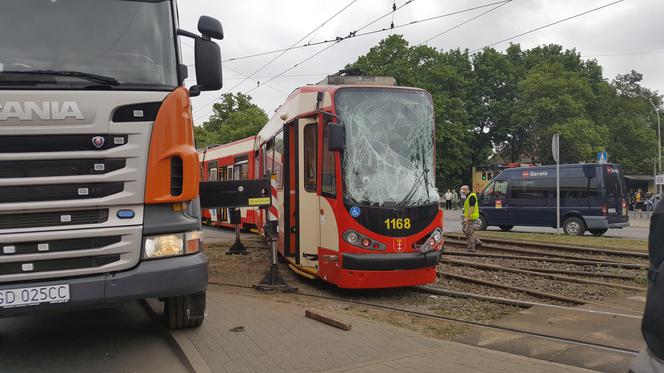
466	205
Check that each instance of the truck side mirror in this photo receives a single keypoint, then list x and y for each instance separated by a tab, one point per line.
336	141
208	65
210	28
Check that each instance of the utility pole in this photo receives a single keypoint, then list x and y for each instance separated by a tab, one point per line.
659	141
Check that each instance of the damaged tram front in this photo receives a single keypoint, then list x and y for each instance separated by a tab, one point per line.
352	167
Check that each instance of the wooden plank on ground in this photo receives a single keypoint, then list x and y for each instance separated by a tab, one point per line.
327	320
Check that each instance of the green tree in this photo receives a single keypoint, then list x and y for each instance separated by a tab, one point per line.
234	117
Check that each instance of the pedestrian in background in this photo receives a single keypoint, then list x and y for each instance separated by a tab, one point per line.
455	199
462	196
471	212
448	200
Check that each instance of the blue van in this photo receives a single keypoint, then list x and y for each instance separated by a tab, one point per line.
592	198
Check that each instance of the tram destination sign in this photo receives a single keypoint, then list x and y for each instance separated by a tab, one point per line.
235	193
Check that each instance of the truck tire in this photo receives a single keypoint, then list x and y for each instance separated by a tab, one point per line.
574	226
506	228
597	232
480	223
185	311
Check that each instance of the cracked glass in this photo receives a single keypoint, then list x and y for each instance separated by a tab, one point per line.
389	154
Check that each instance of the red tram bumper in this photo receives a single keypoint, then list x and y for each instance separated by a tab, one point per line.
369	271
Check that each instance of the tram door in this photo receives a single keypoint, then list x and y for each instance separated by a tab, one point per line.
212	176
308	223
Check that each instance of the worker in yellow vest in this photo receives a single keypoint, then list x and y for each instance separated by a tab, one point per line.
471	212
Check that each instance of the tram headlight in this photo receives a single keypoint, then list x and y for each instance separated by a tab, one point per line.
352	237
366	242
437	235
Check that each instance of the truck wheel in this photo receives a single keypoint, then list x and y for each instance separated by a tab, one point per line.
574	226
598	232
480	223
185	312
506	228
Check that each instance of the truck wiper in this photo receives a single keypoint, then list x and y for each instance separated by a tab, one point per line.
106	80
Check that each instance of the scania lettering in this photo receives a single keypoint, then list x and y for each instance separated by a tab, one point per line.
99	179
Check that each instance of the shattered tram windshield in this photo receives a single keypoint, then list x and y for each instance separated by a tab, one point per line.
389	155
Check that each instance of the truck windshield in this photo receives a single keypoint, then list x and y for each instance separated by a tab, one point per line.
70	44
389	155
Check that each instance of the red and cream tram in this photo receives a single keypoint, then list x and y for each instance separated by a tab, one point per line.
232	161
352	167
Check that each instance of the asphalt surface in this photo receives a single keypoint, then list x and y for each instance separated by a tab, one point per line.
639	229
120	339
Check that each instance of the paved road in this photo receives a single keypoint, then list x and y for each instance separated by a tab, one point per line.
638	230
121	339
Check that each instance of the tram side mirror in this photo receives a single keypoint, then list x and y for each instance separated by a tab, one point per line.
336	140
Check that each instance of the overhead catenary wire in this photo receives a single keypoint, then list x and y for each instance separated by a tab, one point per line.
310	44
294	44
284	51
547	25
465	22
354	34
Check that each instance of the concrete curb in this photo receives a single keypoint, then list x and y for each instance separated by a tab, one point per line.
187	351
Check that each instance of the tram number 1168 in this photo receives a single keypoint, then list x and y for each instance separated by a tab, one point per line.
397	223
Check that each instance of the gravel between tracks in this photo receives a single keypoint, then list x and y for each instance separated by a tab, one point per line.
587	292
640	275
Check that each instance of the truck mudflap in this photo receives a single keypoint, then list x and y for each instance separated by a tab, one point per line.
160	278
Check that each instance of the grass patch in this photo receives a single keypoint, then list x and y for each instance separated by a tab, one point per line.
602	242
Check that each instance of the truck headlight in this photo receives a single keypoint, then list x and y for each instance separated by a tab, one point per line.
172	244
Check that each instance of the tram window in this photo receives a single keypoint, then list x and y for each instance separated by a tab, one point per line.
329	182
268	157
310	158
278	158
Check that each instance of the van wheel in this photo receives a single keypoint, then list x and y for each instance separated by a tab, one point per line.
598	232
506	228
574	226
185	311
480	223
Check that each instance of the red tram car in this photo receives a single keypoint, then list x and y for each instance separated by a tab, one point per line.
352	165
232	161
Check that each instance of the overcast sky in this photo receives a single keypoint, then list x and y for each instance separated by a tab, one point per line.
611	35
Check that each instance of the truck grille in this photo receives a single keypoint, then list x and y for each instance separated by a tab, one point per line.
59	143
58	192
54	168
52	219
21	248
57	264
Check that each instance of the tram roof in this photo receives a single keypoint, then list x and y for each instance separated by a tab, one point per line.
232	148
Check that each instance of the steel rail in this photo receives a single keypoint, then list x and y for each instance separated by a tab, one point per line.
513	302
547	259
486	246
585	249
550	276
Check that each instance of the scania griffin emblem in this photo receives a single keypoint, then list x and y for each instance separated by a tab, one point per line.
98	141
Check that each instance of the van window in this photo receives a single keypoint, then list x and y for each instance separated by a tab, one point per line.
613	182
497	189
531	188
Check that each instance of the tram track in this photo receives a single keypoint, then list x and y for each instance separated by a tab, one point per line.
486	246
551	246
416	313
551	276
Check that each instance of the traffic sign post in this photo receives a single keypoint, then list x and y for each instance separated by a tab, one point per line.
659	179
602	158
555	148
